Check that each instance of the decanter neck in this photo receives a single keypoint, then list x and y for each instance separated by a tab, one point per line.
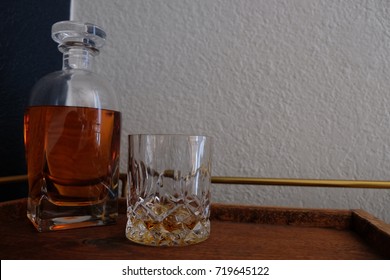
78	58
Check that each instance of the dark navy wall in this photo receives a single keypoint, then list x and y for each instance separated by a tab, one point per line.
27	53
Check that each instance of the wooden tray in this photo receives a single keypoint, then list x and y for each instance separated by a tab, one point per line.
238	232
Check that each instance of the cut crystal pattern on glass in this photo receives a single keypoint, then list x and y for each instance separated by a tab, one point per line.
169	223
168	203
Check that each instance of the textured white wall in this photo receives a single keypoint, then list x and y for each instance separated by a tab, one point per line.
288	88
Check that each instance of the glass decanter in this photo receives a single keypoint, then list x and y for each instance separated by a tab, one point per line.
72	137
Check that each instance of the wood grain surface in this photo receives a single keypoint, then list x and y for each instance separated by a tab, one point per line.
237	232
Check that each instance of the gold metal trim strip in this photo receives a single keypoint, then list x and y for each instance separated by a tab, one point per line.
13	179
330	183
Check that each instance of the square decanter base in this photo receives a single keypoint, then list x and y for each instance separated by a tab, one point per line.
47	216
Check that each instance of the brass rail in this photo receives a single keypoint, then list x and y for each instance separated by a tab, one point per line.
302	182
331	183
13	179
